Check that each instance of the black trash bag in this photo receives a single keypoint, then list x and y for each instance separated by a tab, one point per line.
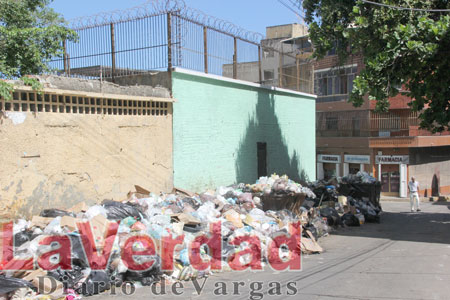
350	219
333	218
70	279
285	213
22	237
313	231
227	250
371	214
78	254
324	193
53	213
308	204
117	279
192	202
146	277
194	228
10	284
118	211
96	283
230	194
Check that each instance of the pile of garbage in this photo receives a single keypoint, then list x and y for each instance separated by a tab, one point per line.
360	177
263	210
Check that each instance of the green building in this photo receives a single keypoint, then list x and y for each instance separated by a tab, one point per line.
229	131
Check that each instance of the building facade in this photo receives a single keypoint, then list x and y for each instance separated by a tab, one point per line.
389	146
228	131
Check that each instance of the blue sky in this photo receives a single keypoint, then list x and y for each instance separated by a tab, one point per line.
253	15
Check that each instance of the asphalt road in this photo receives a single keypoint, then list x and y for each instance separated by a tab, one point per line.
407	256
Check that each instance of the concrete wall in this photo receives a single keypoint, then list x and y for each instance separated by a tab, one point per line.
156	79
428	164
424	174
248	71
286	31
218	122
55	160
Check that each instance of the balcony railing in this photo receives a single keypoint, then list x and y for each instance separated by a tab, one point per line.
396	123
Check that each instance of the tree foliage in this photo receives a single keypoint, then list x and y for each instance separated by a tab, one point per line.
400	47
31	34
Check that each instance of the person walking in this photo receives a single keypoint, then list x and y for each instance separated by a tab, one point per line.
413	187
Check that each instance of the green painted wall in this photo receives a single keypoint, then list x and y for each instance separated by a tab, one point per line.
217	124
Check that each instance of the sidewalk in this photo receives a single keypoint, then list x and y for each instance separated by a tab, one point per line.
422	199
398	199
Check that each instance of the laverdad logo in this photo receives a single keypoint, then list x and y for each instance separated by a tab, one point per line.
101	248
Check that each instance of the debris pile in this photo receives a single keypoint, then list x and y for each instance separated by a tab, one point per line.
262	210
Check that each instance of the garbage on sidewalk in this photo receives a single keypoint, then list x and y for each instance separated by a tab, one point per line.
261	210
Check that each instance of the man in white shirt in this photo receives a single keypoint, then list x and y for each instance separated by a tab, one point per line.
413	187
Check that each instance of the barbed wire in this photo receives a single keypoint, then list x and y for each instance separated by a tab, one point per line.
158	7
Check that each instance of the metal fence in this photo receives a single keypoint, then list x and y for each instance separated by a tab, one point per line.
164	34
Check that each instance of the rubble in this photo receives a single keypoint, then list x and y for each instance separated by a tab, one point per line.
263	210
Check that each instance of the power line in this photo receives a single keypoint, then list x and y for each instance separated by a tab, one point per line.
291	9
405	8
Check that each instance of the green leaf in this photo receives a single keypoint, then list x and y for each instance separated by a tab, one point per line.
397	46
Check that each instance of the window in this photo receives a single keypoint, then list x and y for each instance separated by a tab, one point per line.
332	51
330	86
305	45
332	123
334	84
356	127
268	74
343	80
324	86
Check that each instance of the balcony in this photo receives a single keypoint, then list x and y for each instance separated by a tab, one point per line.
397	127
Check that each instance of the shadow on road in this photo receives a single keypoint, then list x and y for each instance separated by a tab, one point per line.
426	227
442	203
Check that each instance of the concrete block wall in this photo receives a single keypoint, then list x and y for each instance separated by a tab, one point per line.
57	152
56	160
218	123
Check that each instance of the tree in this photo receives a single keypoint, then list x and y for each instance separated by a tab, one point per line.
404	43
31	34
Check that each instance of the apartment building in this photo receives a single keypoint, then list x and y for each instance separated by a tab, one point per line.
389	146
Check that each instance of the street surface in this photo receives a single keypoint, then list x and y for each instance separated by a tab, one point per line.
407	256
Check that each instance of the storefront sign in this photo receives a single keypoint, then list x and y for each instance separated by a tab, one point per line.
357	159
392	159
326	158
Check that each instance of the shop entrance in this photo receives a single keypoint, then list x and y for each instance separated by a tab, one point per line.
354	168
329	171
390	180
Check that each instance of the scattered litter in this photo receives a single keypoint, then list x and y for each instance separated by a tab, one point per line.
263	209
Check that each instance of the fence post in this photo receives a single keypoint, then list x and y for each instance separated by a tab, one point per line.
235	59
169	41
205	46
65	57
298	72
312	79
259	64
280	79
113	53
68	64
